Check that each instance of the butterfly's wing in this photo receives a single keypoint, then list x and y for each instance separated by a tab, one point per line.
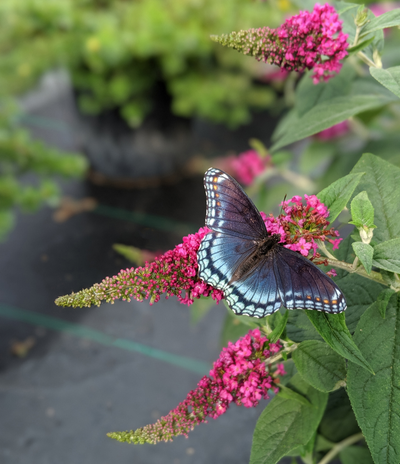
282	277
229	210
218	257
236	224
258	295
302	285
286	278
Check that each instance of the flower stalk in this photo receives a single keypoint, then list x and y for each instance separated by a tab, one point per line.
243	374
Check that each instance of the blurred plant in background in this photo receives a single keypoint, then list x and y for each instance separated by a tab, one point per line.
117	51
27	169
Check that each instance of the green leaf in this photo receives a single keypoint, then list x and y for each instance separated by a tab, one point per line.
388	19
199	308
364	252
309	95
362	211
289	394
333	329
383	300
316	158
305	451
364	96
319	365
322	444
342	7
389	277
382	182
358	290
336	196
389	78
299	327
339	421
376	398
360	46
232	329
387	255
279	326
286	424
290	370
356	454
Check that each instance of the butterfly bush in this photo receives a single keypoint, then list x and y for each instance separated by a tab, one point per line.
305	41
241	375
175	273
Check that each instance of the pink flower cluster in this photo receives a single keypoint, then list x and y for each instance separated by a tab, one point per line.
240	375
309	36
244	167
302	225
248	165
305	41
173	273
334	132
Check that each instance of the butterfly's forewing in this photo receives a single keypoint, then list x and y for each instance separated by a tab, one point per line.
303	285
229	210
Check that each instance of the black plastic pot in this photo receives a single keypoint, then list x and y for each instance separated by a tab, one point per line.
124	156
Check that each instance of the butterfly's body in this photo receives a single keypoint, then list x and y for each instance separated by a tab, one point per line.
256	273
250	264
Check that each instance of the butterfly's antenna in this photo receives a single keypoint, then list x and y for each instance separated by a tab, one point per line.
284	198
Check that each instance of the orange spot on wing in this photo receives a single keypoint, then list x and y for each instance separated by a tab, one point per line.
326	301
318	298
218	203
215	187
334	301
215	179
309	297
217	195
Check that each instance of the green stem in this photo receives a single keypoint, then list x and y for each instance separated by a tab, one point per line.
341	445
375	276
366	60
288	349
302	182
356	37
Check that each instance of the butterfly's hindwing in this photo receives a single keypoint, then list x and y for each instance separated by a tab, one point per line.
218	257
229	209
303	285
258	294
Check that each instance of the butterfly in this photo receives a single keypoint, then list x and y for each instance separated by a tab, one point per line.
256	273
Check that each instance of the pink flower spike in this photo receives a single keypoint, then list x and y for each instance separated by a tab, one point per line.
243	380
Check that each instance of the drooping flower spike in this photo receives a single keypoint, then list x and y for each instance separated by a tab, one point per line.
241	375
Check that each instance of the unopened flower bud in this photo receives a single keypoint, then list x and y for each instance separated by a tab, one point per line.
366	234
377	58
362	16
